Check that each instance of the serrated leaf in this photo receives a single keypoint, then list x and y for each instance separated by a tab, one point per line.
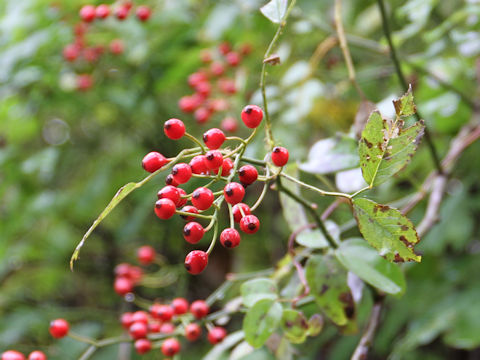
261	321
274	10
293	212
315	239
387	230
294	325
328	284
331	155
386	148
361	259
405	105
258	289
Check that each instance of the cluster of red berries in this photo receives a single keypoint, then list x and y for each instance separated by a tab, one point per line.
15	355
79	50
213	163
213	84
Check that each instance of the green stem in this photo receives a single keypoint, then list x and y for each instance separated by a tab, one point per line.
196	141
186	213
311	187
214	238
253	161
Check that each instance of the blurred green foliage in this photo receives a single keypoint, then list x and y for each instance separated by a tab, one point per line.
64	154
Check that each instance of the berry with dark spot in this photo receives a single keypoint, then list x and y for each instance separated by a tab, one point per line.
230	238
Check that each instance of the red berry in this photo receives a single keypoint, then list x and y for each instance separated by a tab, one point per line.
189	209
169	180
197	78
71	52
116	47
122	270
247	174
216	335
87	13
180	306
249	224
174	129
252	116
128	4
182	173
193	232
202	198
126	320
213	159
246	49
154	327
187	104
169	192
143	13
196	261
233	58
213	138
165	208
143	346
202	115
140	316
102	11
90	55
203	88
234	193
37	355
198	165
138	330
237	213
170	347
122	12
227	166
193	331
59	328
230	238
84	82
135	274
217	68
161	312
279	156
153	161
12	355
167	328
199	309
182	200
227	86
145	255
224	48
229	124
123	285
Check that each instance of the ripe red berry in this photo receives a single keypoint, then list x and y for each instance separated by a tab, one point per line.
213	138
36	355
252	116
140	316
233	58
143	346
180	306
154	327
59	328
187	104
202	115
202	198
145	255
123	286
138	330
143	13
199	309
246	49
135	274
122	270
224	48
165	208
237	213
189	209
198	165
193	232
227	86
102	11
234	193
71	52
216	335
12	355
84	82
87	13
182	173
279	156
122	12
197	78
247	174
227	166
217	68
169	180
153	161
193	331
174	129
203	88
182	200
126	320
196	261
229	124
116	47
230	238
169	192
213	159
249	224
170	347
167	328
161	312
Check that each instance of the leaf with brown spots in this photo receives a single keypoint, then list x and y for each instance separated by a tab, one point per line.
387	230
386	147
405	105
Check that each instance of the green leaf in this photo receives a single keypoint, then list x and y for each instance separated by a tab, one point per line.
328	284
361	259
218	352
405	105
387	230
386	148
258	289
275	10
315	239
294	325
261	321
293	212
